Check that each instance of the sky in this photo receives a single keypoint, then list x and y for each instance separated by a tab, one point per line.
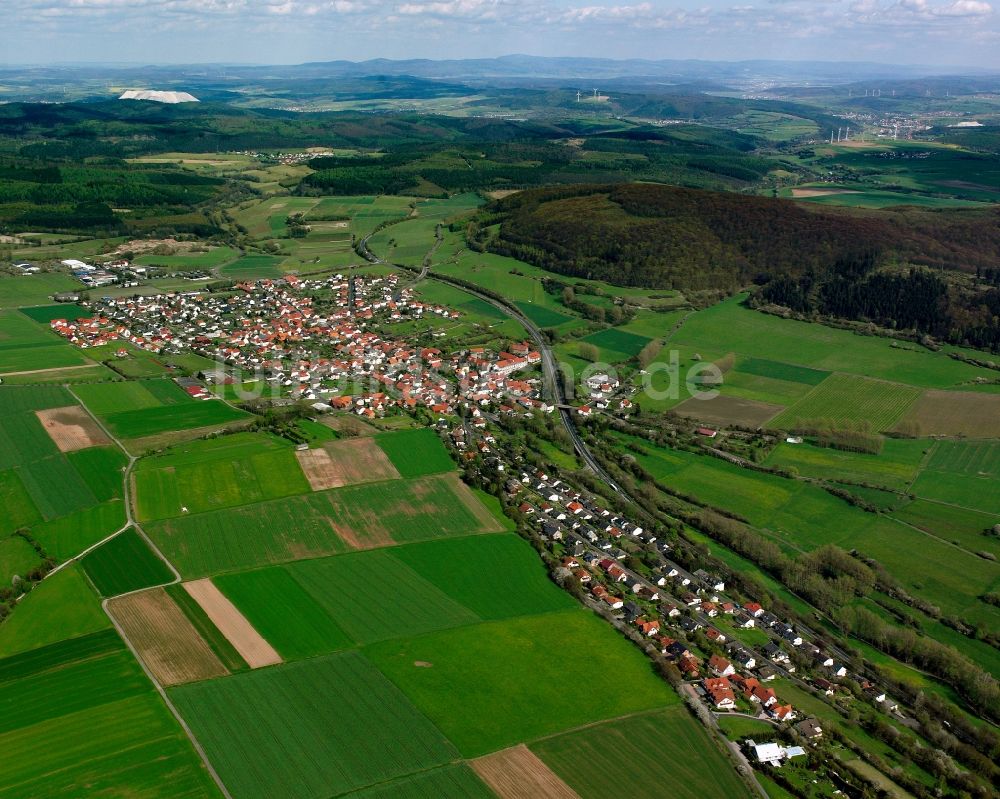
932	32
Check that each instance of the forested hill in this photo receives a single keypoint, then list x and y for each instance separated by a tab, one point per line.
861	265
660	236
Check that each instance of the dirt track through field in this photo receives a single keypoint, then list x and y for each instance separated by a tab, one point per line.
71	428
166	641
516	773
346	462
231	623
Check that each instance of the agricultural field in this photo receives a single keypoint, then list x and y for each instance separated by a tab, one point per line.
20	290
615	345
639	755
316	728
732	327
227	619
252	267
352	590
416	453
963	526
453	677
963	473
164	638
954	413
28	347
142	409
896	466
125	564
209	474
283	612
345	462
517	772
843	399
68	536
41	435
61	606
321	523
499	576
17	557
81	718
190	260
446	782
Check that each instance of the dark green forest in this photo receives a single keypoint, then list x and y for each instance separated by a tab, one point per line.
839	262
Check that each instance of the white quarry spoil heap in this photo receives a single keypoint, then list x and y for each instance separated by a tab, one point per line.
158	97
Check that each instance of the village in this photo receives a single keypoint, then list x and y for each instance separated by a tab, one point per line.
327	352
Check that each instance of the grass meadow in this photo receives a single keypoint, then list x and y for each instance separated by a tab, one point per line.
638	756
491	685
895	466
69	535
27	346
17	557
310	730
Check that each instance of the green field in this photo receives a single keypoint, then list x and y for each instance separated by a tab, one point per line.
284	613
542	316
546	661
965	527
17	557
731	327
783	371
43	314
26	346
62	606
169	418
352	589
252	267
963	473
105	399
849	399
314	524
19	509
205	475
34	289
616	345
640	756
737	728
124	564
317	728
415	453
68	536
81	719
495	576
895	466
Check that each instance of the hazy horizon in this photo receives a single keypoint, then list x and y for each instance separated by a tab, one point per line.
934	33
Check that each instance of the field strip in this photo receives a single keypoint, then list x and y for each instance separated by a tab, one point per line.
517	773
163	638
231	623
90	365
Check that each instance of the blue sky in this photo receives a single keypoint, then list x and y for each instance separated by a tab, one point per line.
939	32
